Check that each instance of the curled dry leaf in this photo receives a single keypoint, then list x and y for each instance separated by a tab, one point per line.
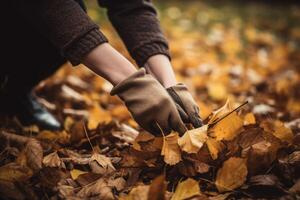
34	154
193	140
102	160
171	150
232	174
186	189
99	189
53	160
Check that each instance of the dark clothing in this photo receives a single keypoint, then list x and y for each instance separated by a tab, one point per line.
65	24
43	34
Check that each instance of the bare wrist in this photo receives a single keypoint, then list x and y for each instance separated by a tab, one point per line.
108	63
160	67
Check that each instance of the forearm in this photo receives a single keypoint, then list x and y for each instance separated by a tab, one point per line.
105	61
160	67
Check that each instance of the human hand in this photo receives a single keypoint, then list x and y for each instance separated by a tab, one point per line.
186	105
149	103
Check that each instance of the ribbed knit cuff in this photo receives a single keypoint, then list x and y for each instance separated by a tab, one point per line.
84	45
142	54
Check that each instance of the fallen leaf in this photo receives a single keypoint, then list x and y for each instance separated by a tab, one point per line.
193	139
14	172
232	174
221	112
228	128
137	193
265	186
34	154
215	147
260	157
75	173
102	160
279	130
157	188
97	115
249	119
186	189
99	189
53	160
171	149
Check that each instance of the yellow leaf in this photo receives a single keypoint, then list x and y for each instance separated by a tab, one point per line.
228	128
193	140
221	112
217	91
249	119
282	132
137	193
232	174
171	149
75	173
186	189
205	110
98	115
214	147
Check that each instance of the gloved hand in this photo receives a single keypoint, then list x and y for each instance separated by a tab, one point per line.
149	103
186	105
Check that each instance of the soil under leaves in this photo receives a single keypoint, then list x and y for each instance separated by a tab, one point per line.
225	59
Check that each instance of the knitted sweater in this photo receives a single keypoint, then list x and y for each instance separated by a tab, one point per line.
70	29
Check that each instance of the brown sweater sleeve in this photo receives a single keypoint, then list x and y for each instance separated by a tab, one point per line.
137	24
65	24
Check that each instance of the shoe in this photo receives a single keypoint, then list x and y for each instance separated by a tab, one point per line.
29	111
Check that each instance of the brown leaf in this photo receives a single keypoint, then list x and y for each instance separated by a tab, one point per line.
53	160
232	174
193	139
157	189
14	172
99	189
102	160
260	157
265	186
34	154
171	149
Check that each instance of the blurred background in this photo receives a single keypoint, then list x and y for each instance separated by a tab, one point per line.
242	50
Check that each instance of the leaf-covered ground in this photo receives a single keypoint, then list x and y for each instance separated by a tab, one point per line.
227	53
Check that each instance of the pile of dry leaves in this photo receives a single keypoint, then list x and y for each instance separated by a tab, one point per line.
242	152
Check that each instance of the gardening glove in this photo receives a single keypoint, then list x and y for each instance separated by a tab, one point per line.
186	105
149	104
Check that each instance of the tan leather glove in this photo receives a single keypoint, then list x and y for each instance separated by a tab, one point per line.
149	103
186	105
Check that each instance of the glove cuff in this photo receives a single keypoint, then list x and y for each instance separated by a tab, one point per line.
123	85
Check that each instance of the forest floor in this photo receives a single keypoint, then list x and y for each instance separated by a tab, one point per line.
227	54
